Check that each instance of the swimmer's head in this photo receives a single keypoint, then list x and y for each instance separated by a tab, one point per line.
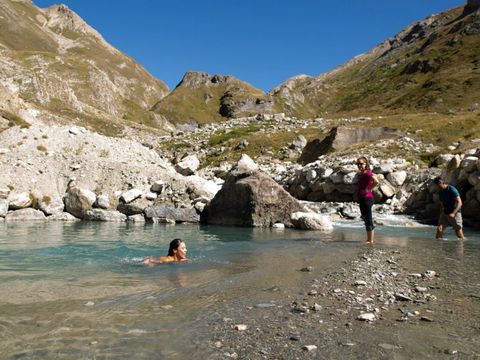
178	249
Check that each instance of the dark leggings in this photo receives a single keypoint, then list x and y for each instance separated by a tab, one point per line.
366	210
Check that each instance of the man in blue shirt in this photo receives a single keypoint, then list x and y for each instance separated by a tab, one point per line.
451	213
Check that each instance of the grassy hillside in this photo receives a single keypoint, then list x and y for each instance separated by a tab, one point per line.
432	66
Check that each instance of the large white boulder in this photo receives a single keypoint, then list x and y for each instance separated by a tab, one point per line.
397	178
188	165
19	200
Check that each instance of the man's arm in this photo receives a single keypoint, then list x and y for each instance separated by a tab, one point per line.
458	201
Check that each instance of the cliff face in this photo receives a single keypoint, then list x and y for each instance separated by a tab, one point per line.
203	98
432	65
52	61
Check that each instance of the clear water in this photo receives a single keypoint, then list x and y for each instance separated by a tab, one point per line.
79	290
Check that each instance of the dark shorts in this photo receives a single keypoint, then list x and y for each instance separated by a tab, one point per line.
456	223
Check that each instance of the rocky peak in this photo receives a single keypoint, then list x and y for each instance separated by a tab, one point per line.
195	79
62	18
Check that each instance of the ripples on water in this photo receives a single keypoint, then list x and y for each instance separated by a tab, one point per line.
80	290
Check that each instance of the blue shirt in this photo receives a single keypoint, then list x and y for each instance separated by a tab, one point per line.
448	197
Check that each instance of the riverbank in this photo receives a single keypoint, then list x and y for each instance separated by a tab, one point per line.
384	302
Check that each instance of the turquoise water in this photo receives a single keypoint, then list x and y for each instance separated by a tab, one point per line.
79	290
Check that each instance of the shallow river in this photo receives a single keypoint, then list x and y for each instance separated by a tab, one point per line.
70	291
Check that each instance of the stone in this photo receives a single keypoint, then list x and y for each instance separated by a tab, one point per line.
158	186
4	193
469	164
360	283
3	207
151	195
420	289
18	201
78	201
397	178
189	215
244	165
27	214
299	142
102	202
250	199
387	189
366	317
138	218
309	347
402	297
104	215
137	206
51	204
429	274
241	327
307	269
64	216
279	226
188	165
311	221
131	195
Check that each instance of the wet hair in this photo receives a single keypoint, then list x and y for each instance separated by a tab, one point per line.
365	160
438	180
174	244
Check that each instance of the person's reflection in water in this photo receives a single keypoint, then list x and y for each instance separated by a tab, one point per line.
176	252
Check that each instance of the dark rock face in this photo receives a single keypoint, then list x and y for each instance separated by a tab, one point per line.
473	4
250	199
341	138
161	212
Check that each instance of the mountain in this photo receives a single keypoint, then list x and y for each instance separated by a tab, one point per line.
54	66
431	66
203	98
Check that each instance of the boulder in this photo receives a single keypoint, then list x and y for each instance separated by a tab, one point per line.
103	202
64	216
188	165
158	186
50	204
154	213
27	214
20	200
104	215
78	201
3	207
250	199
397	178
469	164
245	165
299	142
135	207
130	195
4	192
139	218
340	138
311	221
387	189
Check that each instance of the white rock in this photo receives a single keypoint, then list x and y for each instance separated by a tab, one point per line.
102	202
278	226
241	327
311	221
19	200
366	317
3	207
397	178
188	165
309	347
469	163
130	195
246	164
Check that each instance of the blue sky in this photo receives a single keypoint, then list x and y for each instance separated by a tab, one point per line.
263	42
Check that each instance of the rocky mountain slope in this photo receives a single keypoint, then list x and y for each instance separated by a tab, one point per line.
432	65
202	98
53	66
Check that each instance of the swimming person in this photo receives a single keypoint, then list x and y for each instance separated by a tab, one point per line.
176	252
366	182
